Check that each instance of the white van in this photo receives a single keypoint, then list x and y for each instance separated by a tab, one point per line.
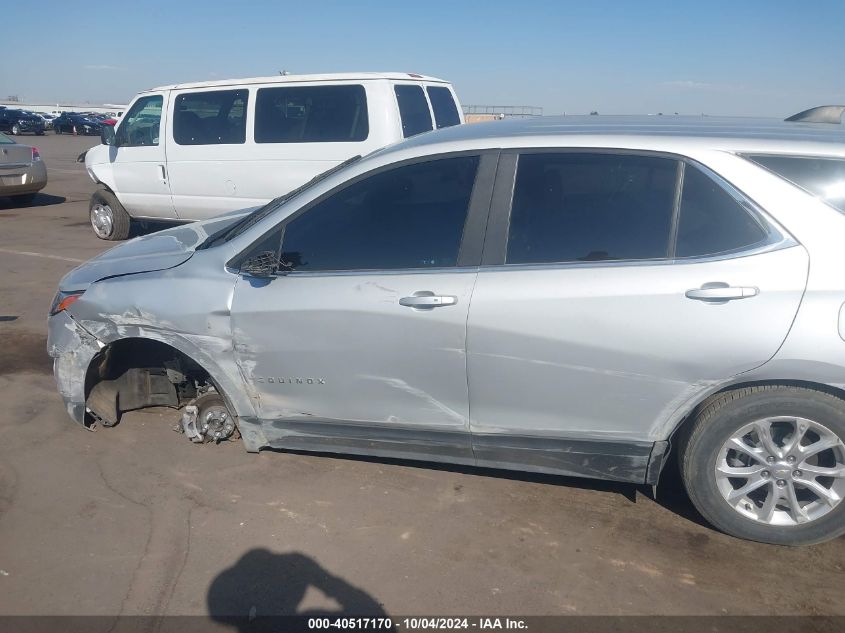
192	151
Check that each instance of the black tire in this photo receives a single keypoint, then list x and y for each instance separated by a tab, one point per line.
41	133
15	130
57	129
723	415
24	198
121	222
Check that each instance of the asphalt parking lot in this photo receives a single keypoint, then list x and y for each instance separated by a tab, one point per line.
137	520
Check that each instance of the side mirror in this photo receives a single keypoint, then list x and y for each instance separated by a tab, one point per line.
107	135
264	265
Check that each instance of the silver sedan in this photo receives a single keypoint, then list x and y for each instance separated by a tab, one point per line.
22	171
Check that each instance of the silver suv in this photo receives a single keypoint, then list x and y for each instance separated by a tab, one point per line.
556	296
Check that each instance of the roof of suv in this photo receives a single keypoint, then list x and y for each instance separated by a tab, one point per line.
281	79
666	133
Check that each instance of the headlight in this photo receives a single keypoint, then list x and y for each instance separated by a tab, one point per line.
63	300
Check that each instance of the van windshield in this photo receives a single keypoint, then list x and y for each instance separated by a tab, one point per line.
259	214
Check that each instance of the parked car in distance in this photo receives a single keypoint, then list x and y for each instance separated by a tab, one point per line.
22	171
193	151
565	296
105	119
67	122
48	119
16	122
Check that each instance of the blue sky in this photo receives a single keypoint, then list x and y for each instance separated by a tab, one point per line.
640	56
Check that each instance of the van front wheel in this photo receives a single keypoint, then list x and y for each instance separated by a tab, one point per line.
108	217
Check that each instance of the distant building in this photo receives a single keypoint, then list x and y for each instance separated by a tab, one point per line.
58	108
479	113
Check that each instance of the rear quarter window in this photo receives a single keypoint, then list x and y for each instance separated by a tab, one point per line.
445	110
413	109
712	221
822	177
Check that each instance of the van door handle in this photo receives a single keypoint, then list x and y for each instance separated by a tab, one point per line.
720	292
426	300
163	173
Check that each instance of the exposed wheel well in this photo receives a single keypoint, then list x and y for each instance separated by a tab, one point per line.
677	436
134	373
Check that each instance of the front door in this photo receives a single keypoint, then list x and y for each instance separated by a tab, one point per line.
359	344
139	161
610	310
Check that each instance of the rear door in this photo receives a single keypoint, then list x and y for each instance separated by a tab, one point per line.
139	159
617	287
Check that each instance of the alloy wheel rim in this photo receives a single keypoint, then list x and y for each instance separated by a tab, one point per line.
782	471
102	220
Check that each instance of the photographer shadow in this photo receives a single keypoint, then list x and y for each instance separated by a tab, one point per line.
263	591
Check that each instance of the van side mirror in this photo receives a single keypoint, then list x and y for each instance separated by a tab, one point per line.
107	134
263	265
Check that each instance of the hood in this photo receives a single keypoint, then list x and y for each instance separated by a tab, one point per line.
157	251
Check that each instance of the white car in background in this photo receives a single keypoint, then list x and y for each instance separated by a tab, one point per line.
193	151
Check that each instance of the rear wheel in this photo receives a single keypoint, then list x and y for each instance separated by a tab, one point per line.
108	217
767	463
16	130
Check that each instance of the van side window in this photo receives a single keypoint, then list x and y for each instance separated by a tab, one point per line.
409	217
584	207
142	123
445	110
311	114
712	221
413	108
210	118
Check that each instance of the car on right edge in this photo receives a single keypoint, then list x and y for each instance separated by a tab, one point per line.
577	296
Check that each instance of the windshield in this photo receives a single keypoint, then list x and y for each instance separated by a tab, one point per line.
5	140
823	177
262	212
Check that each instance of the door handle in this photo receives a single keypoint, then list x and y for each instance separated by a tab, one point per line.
426	300
720	292
163	173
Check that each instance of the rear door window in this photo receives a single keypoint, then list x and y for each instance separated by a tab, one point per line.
823	177
210	118
445	110
584	207
413	109
311	114
712	221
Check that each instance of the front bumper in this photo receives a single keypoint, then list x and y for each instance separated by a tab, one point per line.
72	349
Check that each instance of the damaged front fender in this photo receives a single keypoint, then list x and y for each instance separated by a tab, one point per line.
72	349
